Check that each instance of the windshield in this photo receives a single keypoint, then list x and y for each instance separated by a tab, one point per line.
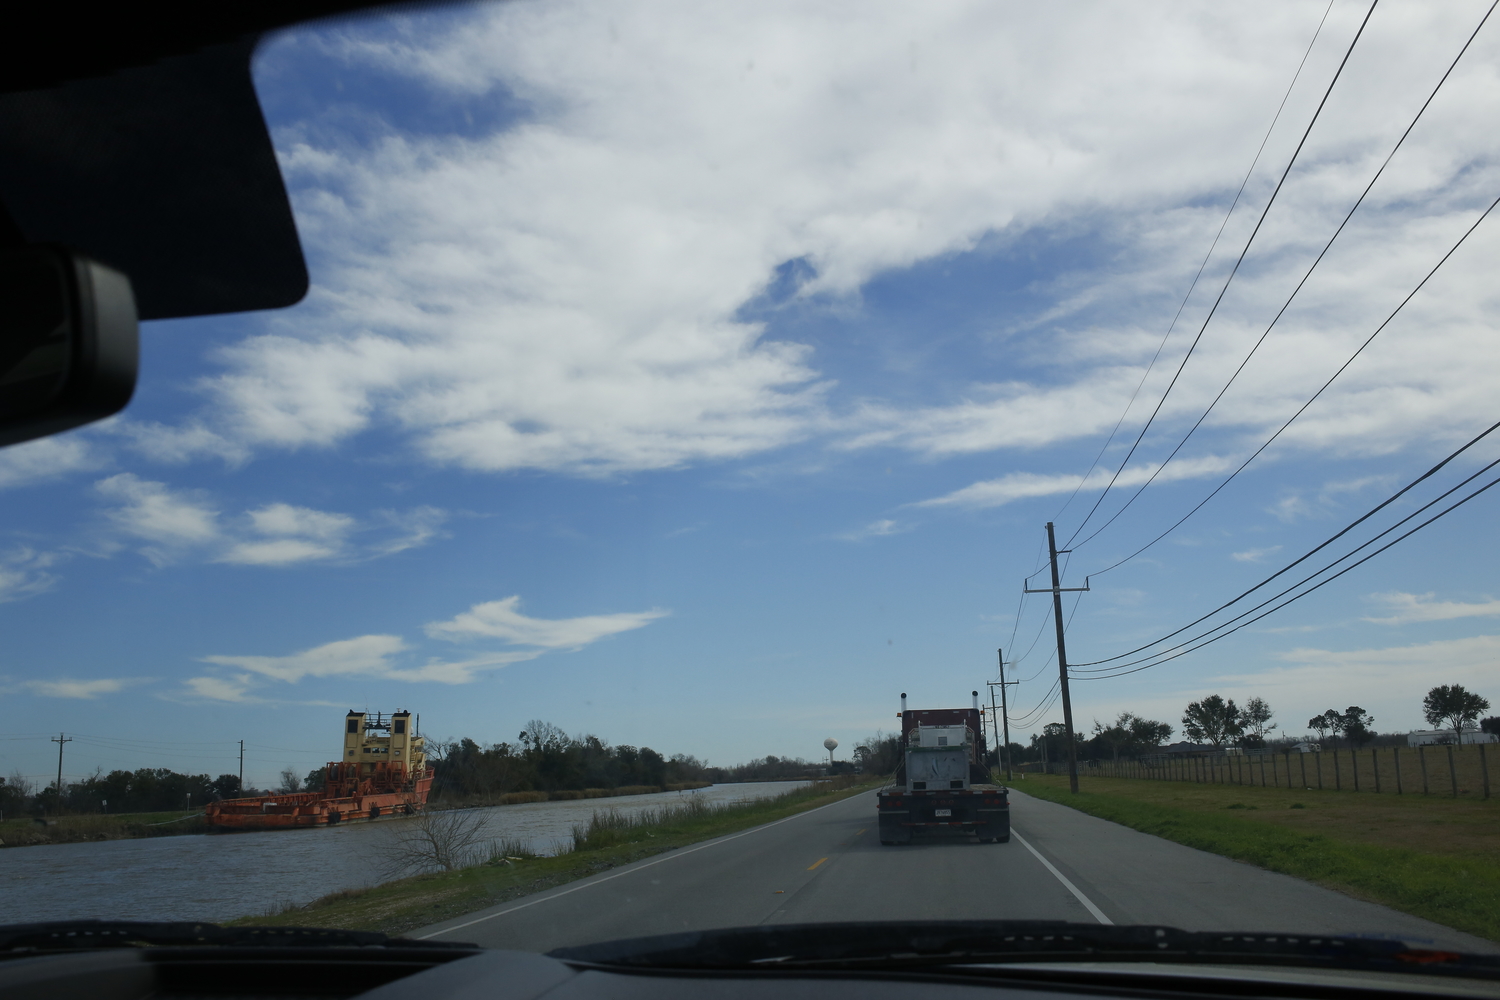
772	463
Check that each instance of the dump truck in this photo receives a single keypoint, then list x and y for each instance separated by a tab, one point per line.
942	784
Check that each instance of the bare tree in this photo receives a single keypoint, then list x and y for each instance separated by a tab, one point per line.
433	841
290	782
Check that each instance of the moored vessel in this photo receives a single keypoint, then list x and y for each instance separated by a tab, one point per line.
383	773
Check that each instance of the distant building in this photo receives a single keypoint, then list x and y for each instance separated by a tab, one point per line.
1179	749
1430	737
1306	747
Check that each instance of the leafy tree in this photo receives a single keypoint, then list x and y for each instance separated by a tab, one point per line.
1354	724
1450	706
1255	719
227	786
1130	734
1213	719
1490	725
1321	724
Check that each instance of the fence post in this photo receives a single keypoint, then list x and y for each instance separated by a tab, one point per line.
1484	770
1275	781
1262	772
1354	765
1318	760
1396	760
1422	762
1302	763
1452	771
1375	766
1338	779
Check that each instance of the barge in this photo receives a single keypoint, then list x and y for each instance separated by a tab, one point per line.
383	773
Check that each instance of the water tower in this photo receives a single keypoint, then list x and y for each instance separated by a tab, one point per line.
830	745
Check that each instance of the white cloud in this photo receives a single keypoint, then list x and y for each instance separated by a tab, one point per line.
1255	555
170	522
46	459
86	690
25	572
385	656
875	529
501	620
176	524
184	443
366	654
414	528
1407	608
232	689
566	294
1023	485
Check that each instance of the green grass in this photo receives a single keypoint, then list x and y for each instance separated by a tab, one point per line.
609	841
25	832
1433	858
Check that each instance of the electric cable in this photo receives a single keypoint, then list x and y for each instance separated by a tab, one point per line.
1227	281
1318	548
1324	388
1277	318
1298	597
1193	285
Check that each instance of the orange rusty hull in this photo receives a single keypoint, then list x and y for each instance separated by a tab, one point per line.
305	809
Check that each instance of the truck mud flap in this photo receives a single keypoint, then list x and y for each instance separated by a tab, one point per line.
997	825
893	830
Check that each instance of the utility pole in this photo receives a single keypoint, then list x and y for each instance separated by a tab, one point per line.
60	739
1004	713
242	769
1057	591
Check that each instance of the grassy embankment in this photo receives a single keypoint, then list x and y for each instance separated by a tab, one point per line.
610	841
1430	856
26	832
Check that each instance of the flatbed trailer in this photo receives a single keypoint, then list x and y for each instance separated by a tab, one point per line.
942	784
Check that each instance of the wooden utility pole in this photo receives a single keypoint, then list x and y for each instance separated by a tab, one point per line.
60	739
1004	713
242	770
1057	590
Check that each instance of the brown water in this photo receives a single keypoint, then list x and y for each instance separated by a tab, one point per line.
222	876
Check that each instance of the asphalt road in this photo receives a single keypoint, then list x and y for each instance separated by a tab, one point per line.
829	865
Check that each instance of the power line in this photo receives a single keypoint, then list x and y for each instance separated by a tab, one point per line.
1316	549
1297	597
1277	318
1158	658
1223	289
1324	388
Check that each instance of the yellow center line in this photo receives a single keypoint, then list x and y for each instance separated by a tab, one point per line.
862	831
816	863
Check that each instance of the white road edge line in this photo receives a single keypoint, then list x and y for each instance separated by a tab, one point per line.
1087	903
668	857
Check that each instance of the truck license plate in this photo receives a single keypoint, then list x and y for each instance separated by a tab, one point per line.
942	812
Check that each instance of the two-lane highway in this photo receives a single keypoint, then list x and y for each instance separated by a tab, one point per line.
828	865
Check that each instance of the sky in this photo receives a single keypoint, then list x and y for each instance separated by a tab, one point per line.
703	376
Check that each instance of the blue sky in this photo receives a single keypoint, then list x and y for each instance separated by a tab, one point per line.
704	381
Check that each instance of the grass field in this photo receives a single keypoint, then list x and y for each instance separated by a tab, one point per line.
400	906
26	832
1431	857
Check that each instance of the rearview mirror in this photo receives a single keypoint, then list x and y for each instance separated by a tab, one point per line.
69	342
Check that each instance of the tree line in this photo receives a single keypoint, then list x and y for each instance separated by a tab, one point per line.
149	789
